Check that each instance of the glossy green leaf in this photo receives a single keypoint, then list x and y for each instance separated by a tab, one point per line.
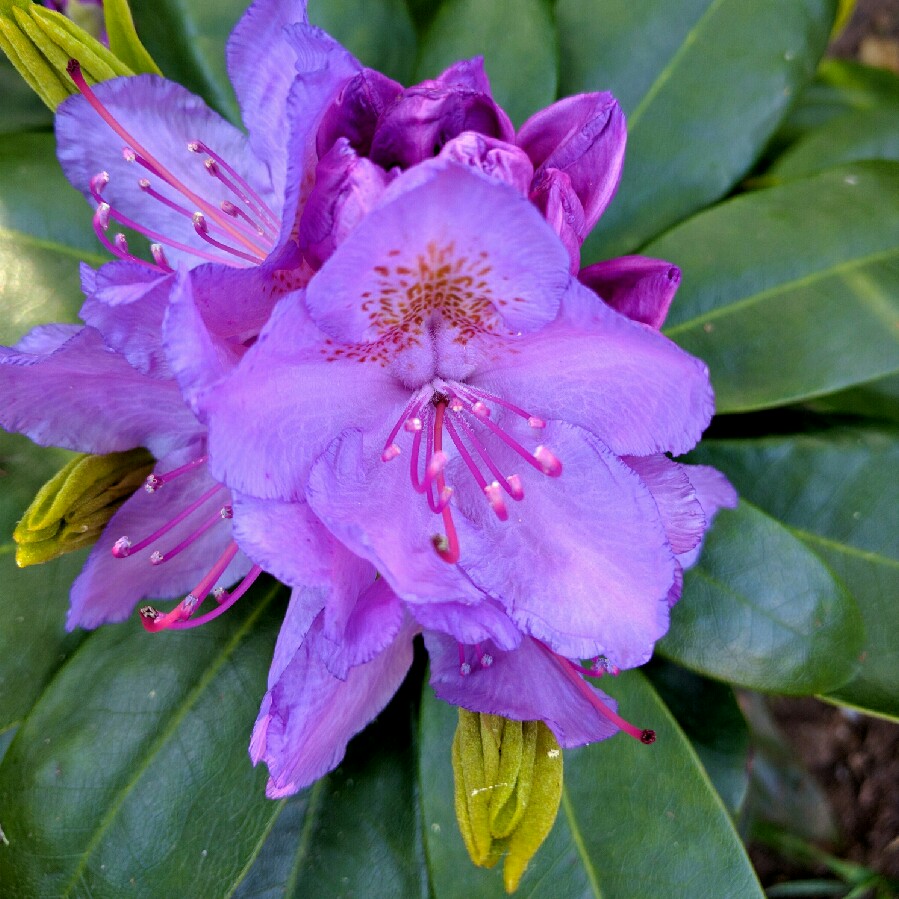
877	399
517	39
131	773
839	86
762	611
357	831
45	229
839	493
22	108
381	35
858	135
791	292
632	817
123	39
704	83
187	39
708	713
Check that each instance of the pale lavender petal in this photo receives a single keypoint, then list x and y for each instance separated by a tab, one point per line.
714	492
309	397
309	716
126	303
164	118
583	562
42	340
84	396
492	157
355	111
347	186
109	588
527	684
261	65
681	512
439	220
583	136
468	624
625	382
636	286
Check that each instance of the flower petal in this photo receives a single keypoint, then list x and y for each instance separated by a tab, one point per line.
308	716
108	587
84	396
636	286
714	492
126	303
527	684
164	118
554	196
430	218
261	68
468	623
492	157
584	137
629	385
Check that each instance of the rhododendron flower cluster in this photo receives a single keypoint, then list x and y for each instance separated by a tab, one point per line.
363	349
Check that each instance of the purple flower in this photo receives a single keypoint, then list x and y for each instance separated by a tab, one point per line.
220	206
471	420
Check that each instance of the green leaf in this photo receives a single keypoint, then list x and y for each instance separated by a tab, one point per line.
876	399
133	769
762	611
858	135
187	40
381	35
837	490
839	86
708	713
791	292
33	641
632	816
22	108
517	39
45	229
704	83
356	832
123	39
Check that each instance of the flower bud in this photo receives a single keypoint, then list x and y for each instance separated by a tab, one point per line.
71	510
508	785
40	42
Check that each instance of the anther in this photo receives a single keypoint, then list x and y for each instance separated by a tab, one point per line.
121	243
220	594
549	464
390	452
226	512
412	425
486	660
101	215
494	496
436	464
150	614
121	548
480	410
156	557
648	737
152	484
516	488
128	154
465	669
159	256
535	422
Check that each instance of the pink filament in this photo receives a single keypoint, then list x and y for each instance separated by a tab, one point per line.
226	604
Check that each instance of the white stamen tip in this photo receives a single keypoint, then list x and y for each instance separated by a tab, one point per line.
193	146
189	603
535	422
199	221
152	484
494	495
516	488
128	154
412	425
479	410
157	558
436	464
143	184
226	512
120	242
159	256
101	216
486	660
465	669
390	452
121	548
220	594
549	464
456	406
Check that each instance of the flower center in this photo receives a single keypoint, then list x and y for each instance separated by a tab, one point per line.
243	228
181	616
465	412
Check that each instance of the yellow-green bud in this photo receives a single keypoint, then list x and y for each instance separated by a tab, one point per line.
72	508
508	786
39	42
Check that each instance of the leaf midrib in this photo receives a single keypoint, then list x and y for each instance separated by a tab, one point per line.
783	287
580	845
187	704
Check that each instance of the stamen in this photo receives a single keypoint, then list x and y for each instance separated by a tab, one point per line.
495	498
549	464
488	461
486	660
202	228
100	222
158	558
159	258
146	158
245	585
155	481
476	394
246	193
450	552
390	452
479	410
574	675
412	408
123	547
516	488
